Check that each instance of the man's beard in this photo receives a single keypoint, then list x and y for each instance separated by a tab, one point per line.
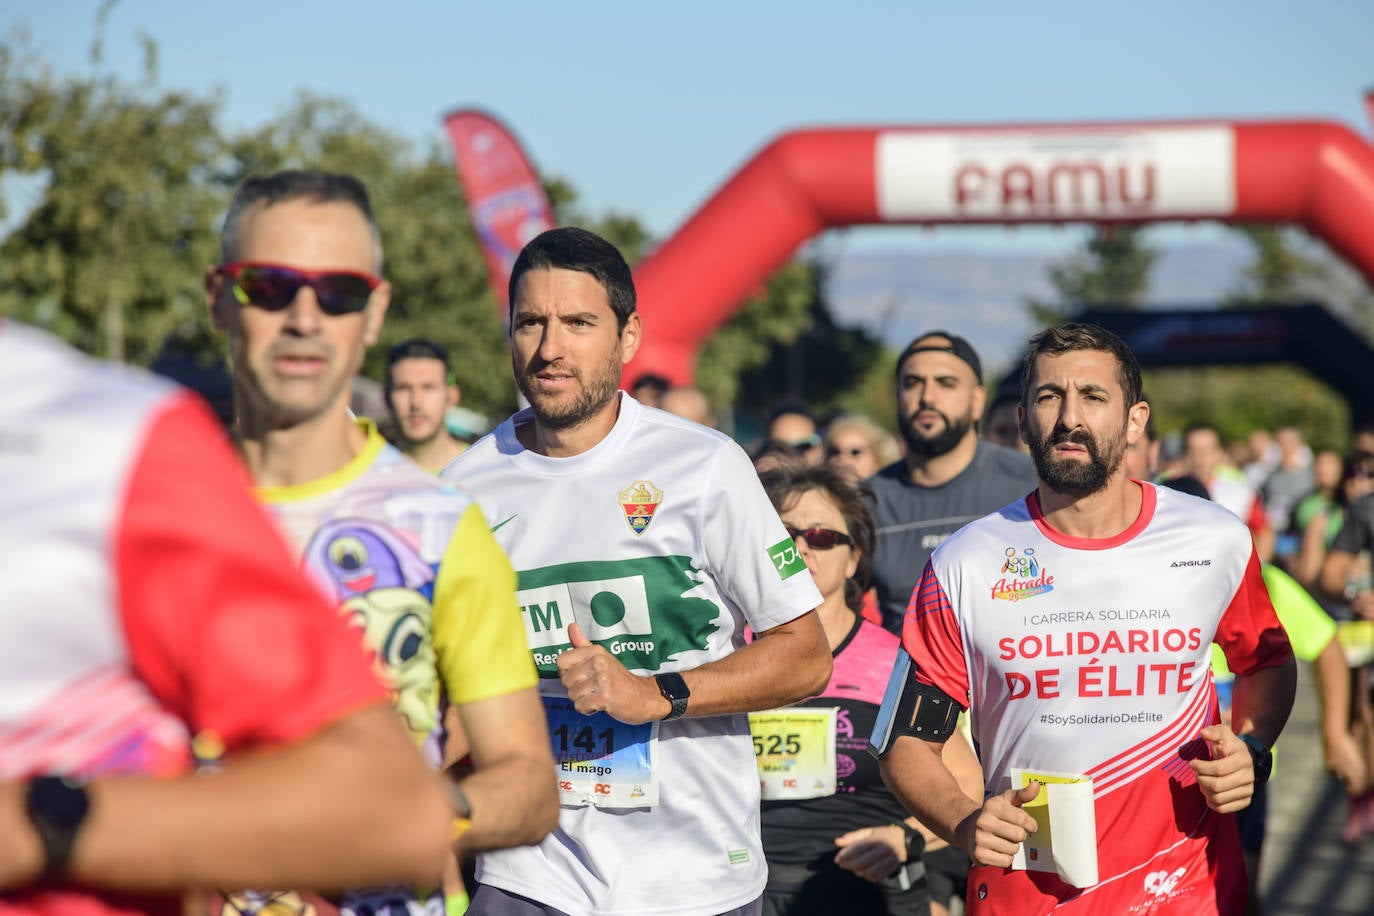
1072	477
591	399
940	443
432	430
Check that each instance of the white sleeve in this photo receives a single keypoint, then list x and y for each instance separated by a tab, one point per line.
756	565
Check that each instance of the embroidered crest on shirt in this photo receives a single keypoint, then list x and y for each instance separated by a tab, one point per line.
1022	576
640	500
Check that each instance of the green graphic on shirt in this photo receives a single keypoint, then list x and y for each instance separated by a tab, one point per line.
640	610
787	559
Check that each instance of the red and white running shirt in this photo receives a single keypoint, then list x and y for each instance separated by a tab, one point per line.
147	597
1091	657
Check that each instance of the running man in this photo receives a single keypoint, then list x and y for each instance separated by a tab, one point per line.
408	560
1075	625
644	545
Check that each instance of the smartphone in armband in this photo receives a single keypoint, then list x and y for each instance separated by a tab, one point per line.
880	742
912	708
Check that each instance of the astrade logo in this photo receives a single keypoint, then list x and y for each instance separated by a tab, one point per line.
1022	576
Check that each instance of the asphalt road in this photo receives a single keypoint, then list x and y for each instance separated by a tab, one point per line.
1306	869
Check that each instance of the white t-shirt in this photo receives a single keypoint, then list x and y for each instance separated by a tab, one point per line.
1092	658
660	542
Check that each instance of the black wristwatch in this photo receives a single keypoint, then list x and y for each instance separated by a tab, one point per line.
674	690
915	841
1260	756
56	806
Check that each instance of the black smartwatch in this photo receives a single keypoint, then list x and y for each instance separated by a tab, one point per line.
56	806
1260	756
915	841
674	690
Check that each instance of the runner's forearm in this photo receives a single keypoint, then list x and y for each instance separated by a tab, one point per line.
781	666
1262	701
915	772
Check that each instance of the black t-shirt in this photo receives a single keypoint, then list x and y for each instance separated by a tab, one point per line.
799	836
798	832
1357	531
914	520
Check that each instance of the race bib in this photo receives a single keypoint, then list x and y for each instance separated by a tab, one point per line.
600	760
1065	839
795	751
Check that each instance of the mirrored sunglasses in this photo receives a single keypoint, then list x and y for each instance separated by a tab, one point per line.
274	286
819	538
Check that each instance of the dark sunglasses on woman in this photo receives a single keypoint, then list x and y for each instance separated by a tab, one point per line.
819	538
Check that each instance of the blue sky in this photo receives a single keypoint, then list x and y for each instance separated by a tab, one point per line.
647	107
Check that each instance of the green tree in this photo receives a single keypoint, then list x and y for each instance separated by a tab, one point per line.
1113	269
110	257
132	182
1280	272
777	318
821	364
1238	399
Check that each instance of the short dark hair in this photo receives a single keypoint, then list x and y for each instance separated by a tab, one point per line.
1202	426
314	186
651	380
417	348
1187	483
850	495
573	248
1075	336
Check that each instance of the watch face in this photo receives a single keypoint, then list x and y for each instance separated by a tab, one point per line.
673	687
1260	757
59	802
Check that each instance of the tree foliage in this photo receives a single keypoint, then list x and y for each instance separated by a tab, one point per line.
110	257
1113	270
1238	399
822	365
132	181
1280	273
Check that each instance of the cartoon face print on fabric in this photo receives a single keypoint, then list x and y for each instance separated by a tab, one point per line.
383	588
352	556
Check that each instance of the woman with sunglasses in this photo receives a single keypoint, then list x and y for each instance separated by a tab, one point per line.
854	441
853	851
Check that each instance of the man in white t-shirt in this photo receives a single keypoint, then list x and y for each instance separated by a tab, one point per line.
420	389
644	546
1075	625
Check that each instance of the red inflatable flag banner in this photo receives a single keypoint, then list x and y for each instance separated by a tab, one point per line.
504	194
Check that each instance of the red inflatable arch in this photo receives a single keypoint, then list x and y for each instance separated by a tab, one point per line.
1314	173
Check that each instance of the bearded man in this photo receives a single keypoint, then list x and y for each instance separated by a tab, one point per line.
644	545
1076	627
948	477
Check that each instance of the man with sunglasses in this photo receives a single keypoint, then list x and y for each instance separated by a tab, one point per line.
644	545
791	425
409	560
